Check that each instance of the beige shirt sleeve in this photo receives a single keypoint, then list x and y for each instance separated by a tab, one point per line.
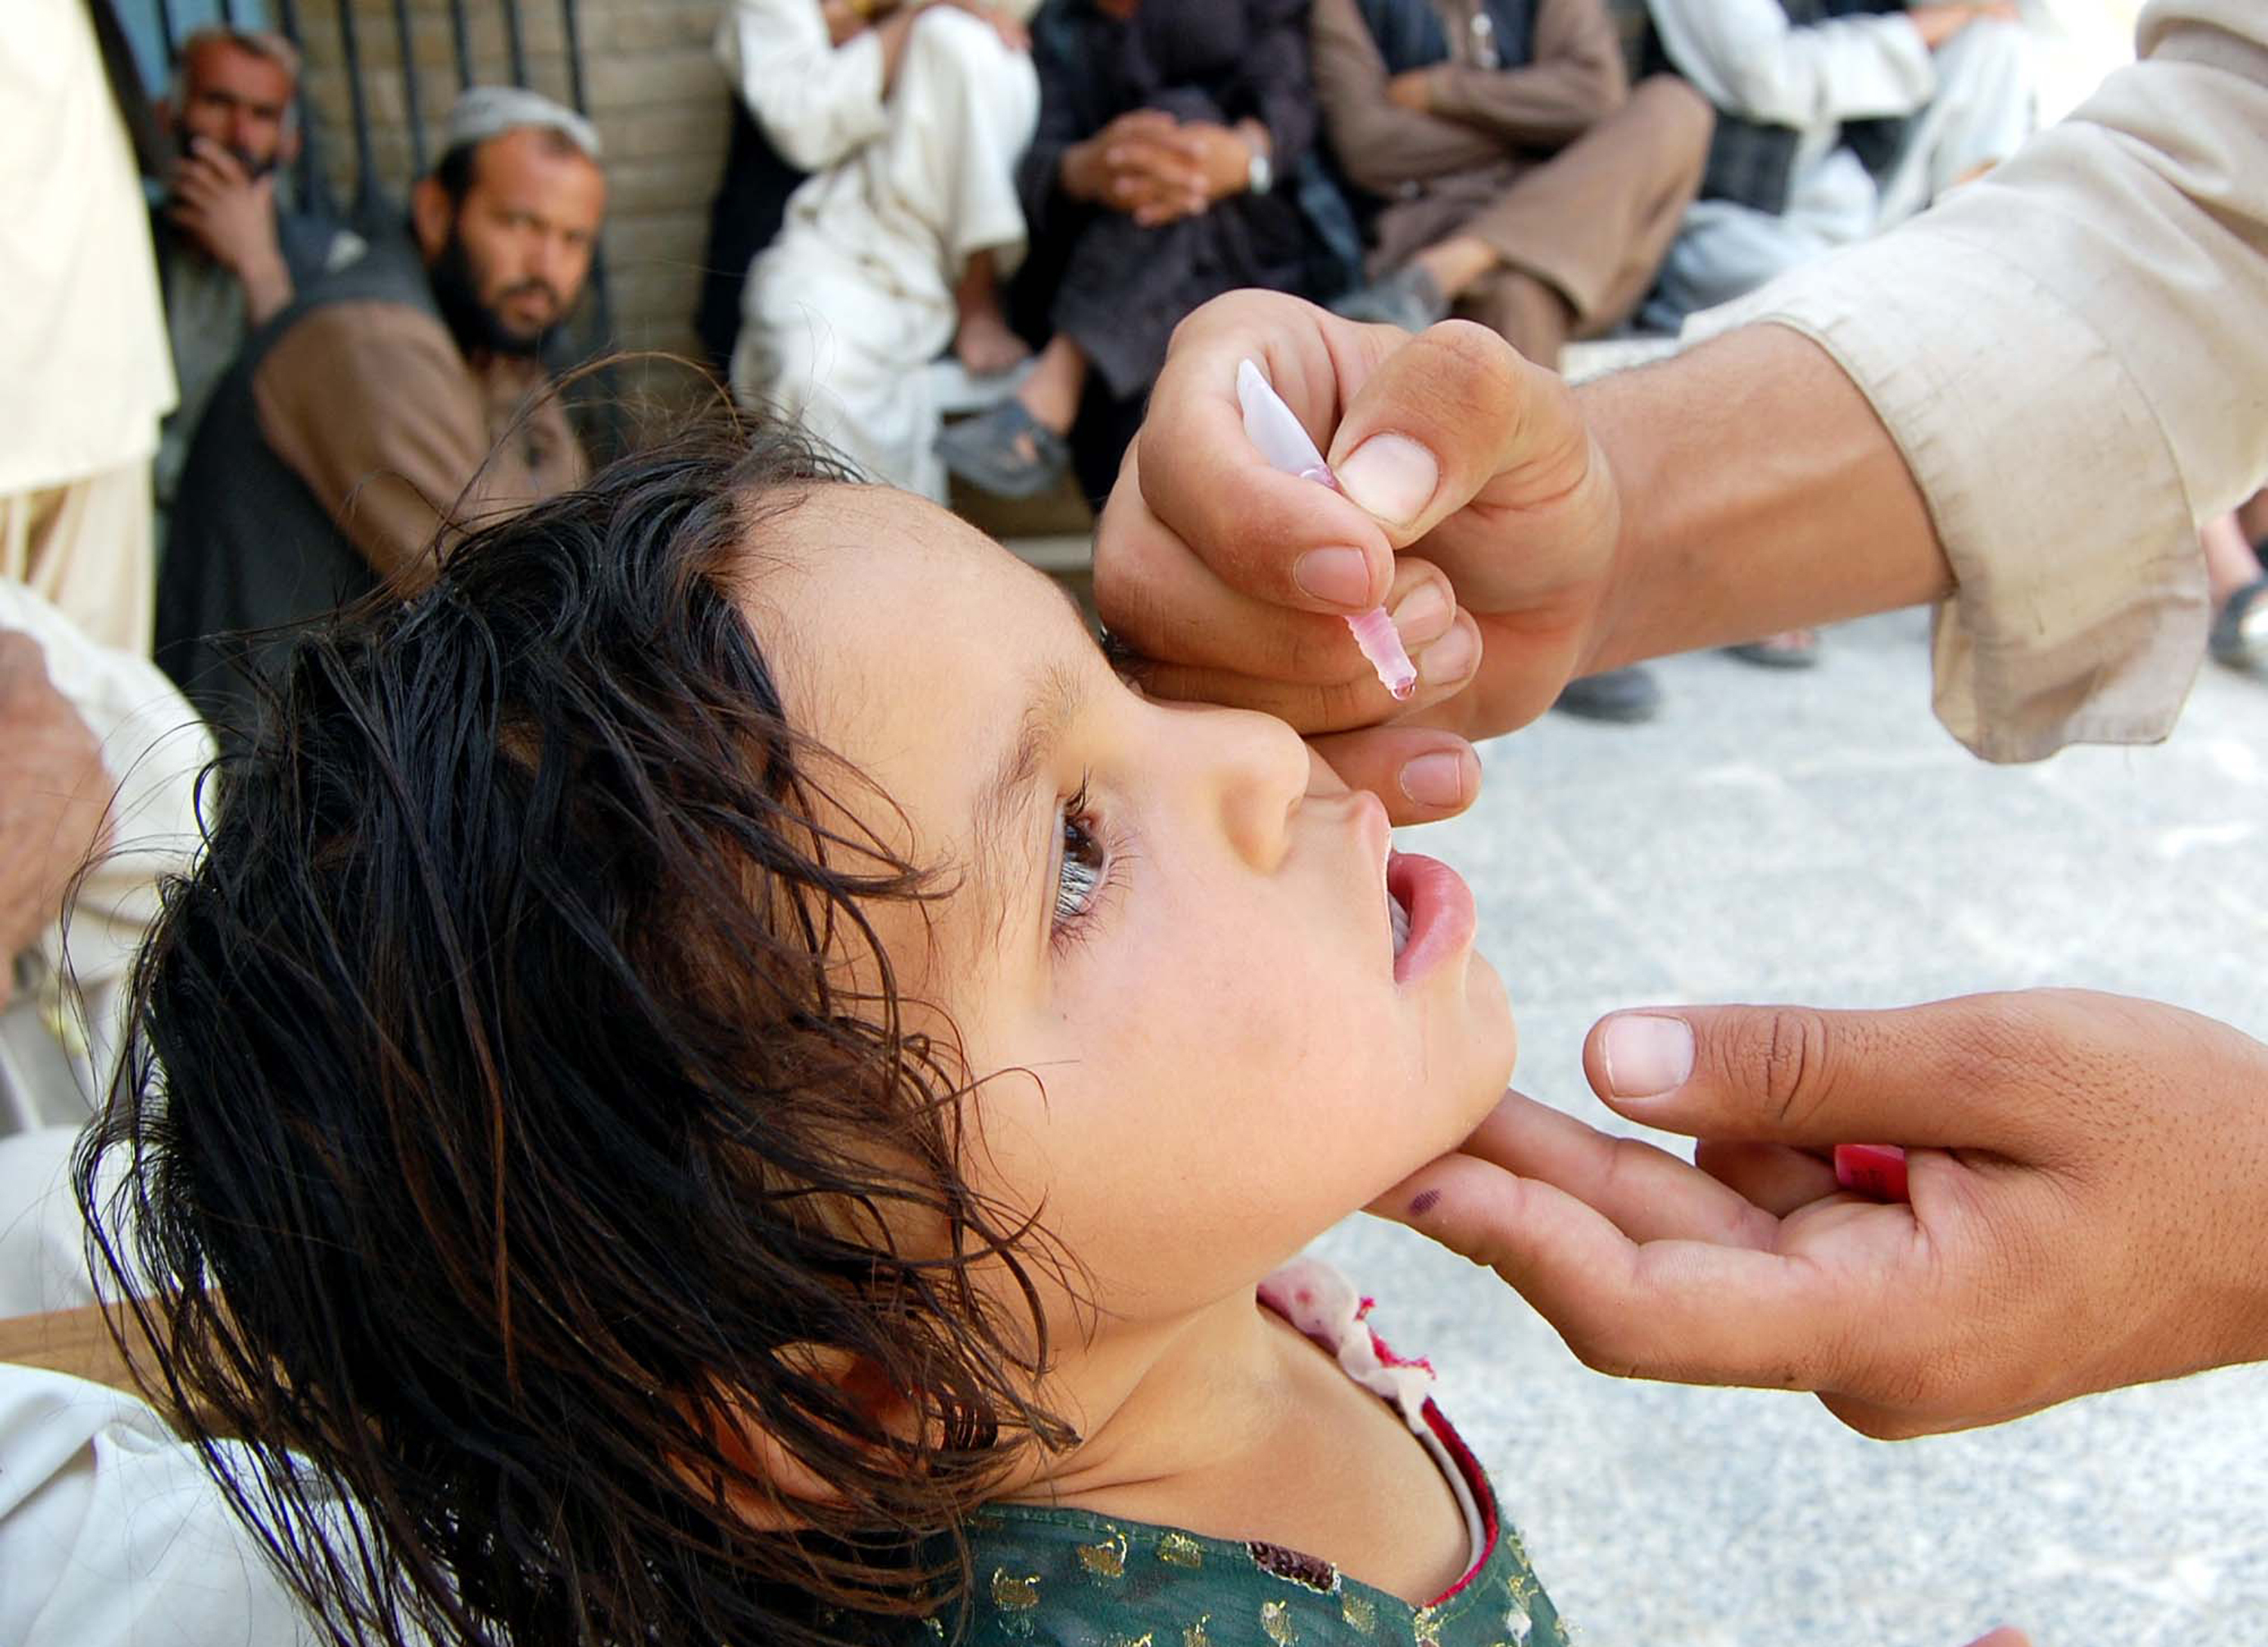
1379	144
2072	355
371	404
1574	79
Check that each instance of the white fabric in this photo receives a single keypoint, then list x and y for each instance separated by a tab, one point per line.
83	352
153	746
111	1534
42	1238
1970	104
855	297
2072	355
1317	1299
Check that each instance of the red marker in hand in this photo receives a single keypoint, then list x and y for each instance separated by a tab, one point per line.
1875	1169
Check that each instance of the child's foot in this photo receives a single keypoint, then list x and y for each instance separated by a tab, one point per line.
1007	452
984	344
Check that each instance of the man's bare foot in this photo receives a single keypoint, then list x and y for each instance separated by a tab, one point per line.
984	344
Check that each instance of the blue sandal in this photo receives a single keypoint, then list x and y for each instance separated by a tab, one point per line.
989	452
2240	634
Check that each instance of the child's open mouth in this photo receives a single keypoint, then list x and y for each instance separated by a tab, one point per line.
1431	911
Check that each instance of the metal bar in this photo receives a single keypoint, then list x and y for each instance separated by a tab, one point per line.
165	32
515	40
462	34
408	37
571	21
228	13
366	195
315	187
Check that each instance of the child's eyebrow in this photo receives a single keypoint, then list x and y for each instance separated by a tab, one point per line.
1057	693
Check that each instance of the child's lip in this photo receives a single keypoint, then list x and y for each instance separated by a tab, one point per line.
1442	919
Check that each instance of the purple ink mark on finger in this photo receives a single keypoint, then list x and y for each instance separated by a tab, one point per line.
1424	1202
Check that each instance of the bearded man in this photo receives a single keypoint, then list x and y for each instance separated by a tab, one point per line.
231	254
390	408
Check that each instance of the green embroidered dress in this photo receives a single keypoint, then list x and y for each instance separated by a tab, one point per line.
1056	1577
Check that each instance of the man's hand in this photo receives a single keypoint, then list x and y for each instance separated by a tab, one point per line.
217	203
2090	1185
1465	470
54	796
1139	164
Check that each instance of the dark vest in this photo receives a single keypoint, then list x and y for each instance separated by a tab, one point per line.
1410	35
1753	164
252	548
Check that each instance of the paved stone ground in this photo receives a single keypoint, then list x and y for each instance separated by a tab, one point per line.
1818	837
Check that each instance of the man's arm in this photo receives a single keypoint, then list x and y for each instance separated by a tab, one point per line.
1748	59
371	403
817	102
1379	144
1574	80
54	794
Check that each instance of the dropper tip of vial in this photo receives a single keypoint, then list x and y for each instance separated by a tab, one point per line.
1383	649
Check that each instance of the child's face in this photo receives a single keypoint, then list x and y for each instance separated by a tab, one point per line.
1175	918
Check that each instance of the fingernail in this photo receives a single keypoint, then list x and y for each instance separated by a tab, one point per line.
1433	781
1340	576
1451	658
1391	476
1645	1056
1424	612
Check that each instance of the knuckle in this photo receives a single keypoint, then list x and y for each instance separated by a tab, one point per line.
1788	1052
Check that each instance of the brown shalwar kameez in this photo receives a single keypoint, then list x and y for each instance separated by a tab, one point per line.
1577	182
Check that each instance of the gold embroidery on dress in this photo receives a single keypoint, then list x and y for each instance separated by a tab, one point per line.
1178	1549
1106	1559
1358	1611
1276	1619
1195	1634
1425	1625
1012	1594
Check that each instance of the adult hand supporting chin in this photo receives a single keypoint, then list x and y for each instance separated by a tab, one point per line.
2089	1203
1467	474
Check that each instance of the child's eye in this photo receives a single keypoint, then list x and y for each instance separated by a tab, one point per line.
1083	868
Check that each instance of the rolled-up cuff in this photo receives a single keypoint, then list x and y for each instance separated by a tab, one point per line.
2080	609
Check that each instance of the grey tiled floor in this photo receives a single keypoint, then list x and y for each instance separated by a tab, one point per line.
1818	837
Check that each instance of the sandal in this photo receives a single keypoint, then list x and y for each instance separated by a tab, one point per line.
1792	649
1007	452
2240	633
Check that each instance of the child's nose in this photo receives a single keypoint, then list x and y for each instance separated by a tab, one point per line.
1262	771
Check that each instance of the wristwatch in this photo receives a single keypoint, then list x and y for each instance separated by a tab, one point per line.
1259	174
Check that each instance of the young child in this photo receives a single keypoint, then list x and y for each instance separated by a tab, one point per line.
722	1078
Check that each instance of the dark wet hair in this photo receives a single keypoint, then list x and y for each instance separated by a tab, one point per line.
505	1125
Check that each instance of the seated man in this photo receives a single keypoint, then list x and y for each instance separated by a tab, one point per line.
228	256
1836	120
394	404
1150	186
1516	182
911	117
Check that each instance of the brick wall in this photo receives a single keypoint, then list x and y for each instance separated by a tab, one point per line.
658	96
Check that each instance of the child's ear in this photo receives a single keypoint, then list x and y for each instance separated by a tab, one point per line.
746	1442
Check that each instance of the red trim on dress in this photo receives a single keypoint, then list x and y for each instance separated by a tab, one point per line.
1470	1467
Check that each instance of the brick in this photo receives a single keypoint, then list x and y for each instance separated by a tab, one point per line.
649	80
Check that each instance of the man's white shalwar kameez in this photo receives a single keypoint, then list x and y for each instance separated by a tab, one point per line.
845	310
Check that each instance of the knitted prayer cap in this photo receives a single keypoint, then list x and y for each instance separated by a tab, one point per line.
483	112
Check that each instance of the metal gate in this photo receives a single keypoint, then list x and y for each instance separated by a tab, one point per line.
344	168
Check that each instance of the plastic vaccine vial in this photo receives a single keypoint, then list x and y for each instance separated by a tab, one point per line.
1270	425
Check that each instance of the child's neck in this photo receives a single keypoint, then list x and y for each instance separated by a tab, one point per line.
1229	1423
